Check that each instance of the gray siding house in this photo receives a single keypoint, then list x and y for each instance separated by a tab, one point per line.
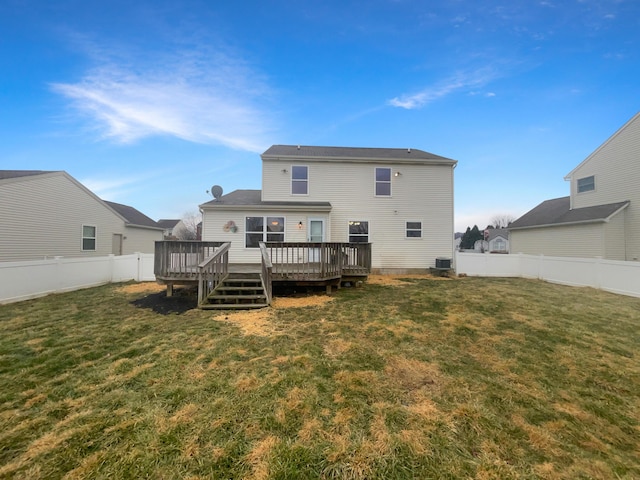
49	213
601	216
399	200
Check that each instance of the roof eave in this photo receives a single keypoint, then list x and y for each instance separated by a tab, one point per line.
267	207
561	224
395	161
147	227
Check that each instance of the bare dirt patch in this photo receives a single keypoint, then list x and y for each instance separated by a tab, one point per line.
143	287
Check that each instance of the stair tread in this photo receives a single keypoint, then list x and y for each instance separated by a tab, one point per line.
229	297
239	289
232	306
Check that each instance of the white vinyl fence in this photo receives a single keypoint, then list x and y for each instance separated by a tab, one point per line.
35	278
610	275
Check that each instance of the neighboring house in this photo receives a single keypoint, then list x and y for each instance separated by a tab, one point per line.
601	217
399	200
172	228
498	240
49	213
457	240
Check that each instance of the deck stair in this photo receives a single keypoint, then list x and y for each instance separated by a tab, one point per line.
238	291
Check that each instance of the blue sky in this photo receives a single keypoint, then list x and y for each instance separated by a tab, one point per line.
151	103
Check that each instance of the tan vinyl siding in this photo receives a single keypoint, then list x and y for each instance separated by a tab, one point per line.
616	168
213	222
614	241
43	216
422	192
140	240
561	241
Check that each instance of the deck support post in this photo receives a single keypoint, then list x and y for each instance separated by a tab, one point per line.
328	289
169	289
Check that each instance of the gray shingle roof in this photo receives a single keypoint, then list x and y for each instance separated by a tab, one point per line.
557	212
133	216
21	173
355	153
253	198
498	232
165	223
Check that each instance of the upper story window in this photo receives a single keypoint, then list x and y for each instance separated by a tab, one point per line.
414	229
383	182
299	180
263	229
88	238
586	184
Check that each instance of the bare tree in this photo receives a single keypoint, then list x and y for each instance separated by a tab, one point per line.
189	227
502	220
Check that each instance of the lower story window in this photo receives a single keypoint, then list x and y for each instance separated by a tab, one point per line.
88	237
414	230
358	231
263	229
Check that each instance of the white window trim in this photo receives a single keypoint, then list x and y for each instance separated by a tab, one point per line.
264	228
298	180
95	238
585	191
421	230
375	182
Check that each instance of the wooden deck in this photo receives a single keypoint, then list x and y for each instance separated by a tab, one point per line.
206	264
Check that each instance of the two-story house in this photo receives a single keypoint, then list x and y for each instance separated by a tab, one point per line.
398	200
49	213
601	216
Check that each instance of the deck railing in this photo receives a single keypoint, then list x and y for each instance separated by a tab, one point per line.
315	261
267	272
179	260
212	271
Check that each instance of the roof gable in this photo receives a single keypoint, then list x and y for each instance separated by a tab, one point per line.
612	138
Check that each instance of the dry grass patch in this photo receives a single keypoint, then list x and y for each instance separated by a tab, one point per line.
300	302
251	322
481	378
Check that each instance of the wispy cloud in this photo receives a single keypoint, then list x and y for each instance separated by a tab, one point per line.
113	188
199	96
456	83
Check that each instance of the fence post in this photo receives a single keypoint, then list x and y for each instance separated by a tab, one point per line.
58	260
140	267
597	264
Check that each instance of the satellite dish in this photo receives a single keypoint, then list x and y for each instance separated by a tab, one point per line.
216	191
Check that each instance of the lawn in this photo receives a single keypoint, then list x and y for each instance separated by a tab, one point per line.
414	378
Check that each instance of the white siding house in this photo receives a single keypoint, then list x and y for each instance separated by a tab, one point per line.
47	214
399	200
601	217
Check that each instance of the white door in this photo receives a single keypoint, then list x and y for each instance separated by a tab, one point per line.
316	234
316	230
